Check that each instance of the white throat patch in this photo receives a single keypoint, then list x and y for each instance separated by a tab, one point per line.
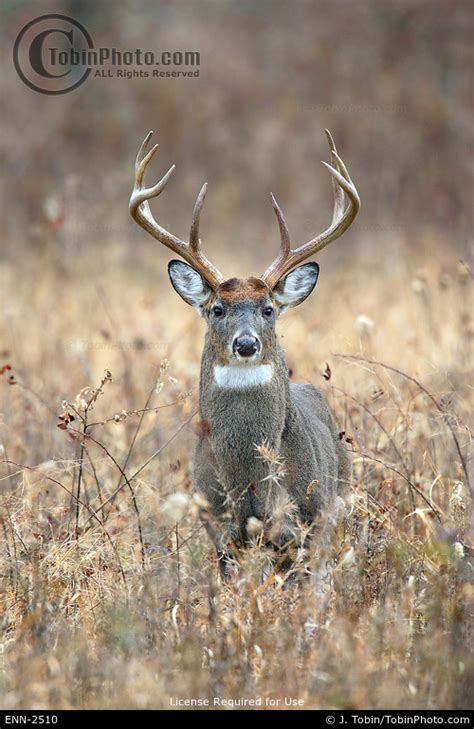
239	377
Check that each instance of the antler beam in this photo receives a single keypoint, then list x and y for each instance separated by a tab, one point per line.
140	211
341	220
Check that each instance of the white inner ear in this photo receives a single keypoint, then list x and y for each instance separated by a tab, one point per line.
294	288
190	285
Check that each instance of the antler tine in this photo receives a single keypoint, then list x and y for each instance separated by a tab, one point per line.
141	213
285	247
341	220
142	151
337	189
194	240
284	233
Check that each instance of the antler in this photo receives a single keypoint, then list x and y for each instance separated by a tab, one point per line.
141	213
341	220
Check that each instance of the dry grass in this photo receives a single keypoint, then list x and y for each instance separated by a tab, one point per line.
114	600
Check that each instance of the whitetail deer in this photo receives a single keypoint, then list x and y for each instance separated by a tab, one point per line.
246	398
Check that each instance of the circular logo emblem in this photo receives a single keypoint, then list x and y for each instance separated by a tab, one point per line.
51	54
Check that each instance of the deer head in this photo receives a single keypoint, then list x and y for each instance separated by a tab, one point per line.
241	313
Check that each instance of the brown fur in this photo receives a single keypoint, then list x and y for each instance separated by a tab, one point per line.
242	289
237	415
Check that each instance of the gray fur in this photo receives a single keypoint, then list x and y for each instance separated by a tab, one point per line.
291	419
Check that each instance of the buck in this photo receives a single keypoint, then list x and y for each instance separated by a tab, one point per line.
246	398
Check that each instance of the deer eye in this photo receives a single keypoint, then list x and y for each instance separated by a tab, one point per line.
218	312
267	312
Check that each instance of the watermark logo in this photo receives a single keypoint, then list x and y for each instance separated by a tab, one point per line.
39	47
54	54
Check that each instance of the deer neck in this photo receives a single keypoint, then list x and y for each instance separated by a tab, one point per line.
251	390
242	412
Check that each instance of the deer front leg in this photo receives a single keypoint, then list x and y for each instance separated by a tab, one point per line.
226	541
217	513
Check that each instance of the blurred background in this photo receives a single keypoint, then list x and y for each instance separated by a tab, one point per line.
391	80
84	290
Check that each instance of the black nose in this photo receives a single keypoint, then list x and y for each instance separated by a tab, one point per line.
246	345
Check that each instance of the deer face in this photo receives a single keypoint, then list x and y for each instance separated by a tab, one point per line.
241	313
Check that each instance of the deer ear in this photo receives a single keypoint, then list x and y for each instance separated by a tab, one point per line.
296	286
189	284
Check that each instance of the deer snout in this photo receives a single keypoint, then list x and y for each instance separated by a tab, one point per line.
246	345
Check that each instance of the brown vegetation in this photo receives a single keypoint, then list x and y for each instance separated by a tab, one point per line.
110	595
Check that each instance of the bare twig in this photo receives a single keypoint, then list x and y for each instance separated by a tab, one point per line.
127	482
93	514
415	488
435	402
147	462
